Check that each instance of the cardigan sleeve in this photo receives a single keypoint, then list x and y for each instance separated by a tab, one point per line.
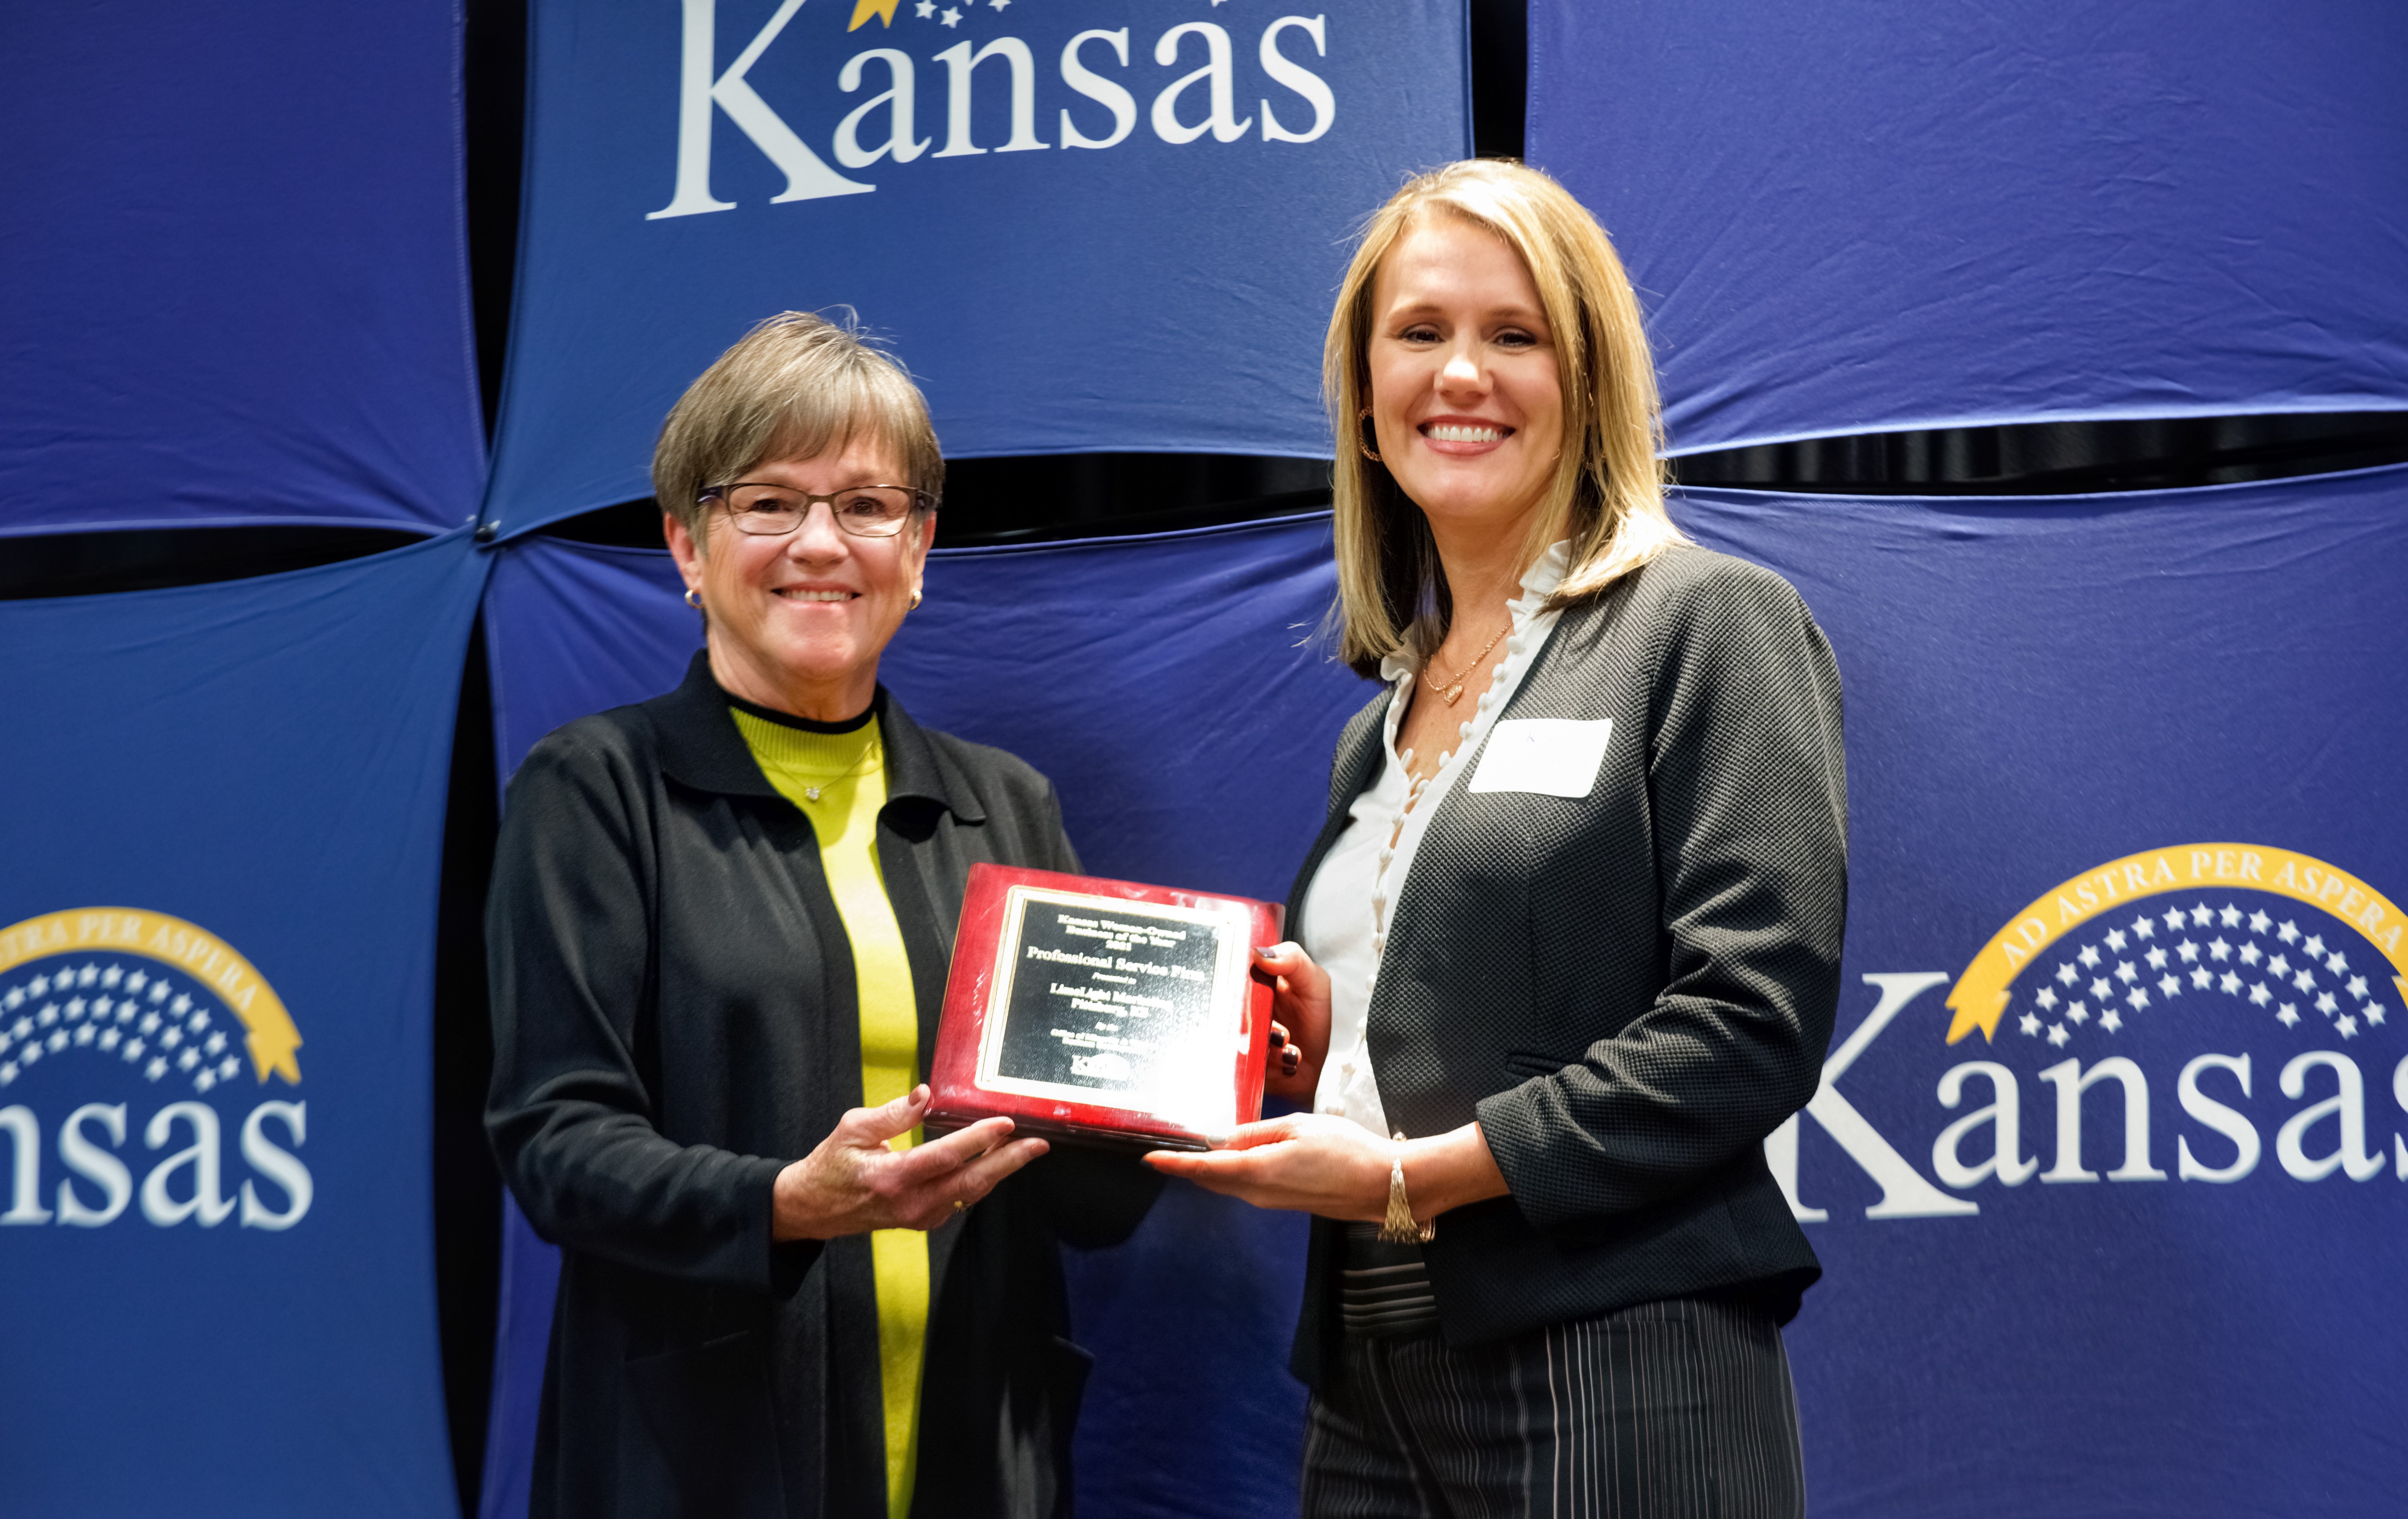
1748	793
569	961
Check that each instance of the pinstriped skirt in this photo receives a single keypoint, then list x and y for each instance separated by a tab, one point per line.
1673	1409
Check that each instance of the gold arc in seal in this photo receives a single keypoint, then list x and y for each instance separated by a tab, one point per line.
270	1035
1980	995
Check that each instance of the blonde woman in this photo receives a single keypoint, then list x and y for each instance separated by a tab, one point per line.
1568	944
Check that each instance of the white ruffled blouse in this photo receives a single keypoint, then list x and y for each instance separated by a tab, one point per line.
1346	908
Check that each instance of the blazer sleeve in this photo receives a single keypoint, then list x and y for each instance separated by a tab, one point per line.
570	963
1747	782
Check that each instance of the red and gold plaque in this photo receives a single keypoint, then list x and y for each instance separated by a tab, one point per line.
1102	1012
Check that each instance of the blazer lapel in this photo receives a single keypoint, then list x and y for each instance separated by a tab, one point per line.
1357	760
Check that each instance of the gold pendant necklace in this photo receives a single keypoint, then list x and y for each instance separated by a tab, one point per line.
1452	692
870	753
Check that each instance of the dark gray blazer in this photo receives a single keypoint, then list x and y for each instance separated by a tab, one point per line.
674	1020
1628	990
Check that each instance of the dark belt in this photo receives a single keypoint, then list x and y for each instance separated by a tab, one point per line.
1383	1288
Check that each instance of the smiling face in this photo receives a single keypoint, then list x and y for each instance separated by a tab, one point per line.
797	623
1466	403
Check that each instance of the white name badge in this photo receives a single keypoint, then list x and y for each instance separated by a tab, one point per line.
1555	756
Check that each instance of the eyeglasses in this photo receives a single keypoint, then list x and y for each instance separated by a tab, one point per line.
868	511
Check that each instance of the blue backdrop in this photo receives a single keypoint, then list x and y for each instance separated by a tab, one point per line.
1143	260
1874	214
1166	686
216	962
232	273
2133	760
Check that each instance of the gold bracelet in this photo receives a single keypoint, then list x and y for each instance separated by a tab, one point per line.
1399	1227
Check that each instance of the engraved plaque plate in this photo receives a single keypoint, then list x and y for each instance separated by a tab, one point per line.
1103	1011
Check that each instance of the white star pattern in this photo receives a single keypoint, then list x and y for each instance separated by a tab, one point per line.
924	10
2242	957
951	16
115	1024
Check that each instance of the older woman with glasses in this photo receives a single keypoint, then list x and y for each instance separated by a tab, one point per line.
717	937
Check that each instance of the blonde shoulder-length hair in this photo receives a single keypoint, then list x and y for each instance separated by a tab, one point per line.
1608	493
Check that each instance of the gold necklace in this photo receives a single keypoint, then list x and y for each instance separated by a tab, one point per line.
1452	692
870	753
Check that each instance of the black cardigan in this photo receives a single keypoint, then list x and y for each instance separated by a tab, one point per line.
1628	990
674	1020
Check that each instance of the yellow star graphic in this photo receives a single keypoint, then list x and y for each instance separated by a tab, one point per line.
864	9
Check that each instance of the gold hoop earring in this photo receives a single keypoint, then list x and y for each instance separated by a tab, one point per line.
914	604
692	599
1368	452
